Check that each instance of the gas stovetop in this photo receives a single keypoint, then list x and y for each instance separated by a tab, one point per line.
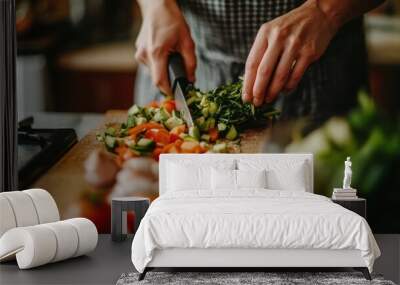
39	149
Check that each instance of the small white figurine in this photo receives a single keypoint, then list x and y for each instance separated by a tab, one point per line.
347	174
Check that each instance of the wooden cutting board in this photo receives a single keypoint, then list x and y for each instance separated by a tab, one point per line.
66	179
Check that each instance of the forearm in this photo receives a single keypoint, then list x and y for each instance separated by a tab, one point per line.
147	5
338	12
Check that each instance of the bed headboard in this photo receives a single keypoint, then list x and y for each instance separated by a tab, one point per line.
210	159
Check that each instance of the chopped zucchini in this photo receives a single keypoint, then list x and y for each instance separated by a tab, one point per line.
191	100
205	137
110	142
173	122
188	138
111	131
205	112
194	132
164	114
209	124
129	143
221	127
200	122
141	120
149	112
145	142
212	108
100	137
123	132
176	114
131	122
203	101
220	147
232	133
157	117
144	145
134	110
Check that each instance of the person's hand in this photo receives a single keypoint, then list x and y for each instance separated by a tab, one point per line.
282	51
163	31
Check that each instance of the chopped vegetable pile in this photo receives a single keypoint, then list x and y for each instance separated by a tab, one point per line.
159	128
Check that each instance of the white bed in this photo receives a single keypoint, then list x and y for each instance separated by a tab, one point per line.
249	227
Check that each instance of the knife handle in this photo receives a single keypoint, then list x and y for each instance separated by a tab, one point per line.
176	70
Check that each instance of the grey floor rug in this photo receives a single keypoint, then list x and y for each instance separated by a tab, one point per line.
233	278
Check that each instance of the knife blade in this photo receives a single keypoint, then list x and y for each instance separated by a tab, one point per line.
179	83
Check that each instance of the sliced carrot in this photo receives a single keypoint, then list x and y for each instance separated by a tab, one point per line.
167	147
174	149
143	127
203	149
153	104
178	143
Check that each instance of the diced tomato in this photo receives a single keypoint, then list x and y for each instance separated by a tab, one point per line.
160	136
153	104
213	134
156	153
173	138
178	130
169	105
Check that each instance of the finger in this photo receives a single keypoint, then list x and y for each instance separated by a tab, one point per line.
297	73
253	60
189	58
281	74
159	73
265	71
141	55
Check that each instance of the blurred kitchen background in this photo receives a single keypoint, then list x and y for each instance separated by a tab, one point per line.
76	62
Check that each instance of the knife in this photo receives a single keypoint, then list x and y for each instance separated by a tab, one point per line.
179	83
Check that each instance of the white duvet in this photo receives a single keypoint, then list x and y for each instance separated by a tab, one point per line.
250	219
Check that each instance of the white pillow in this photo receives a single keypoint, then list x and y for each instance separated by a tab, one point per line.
181	178
292	175
187	175
223	179
251	178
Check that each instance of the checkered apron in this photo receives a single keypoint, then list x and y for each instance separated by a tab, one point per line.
224	31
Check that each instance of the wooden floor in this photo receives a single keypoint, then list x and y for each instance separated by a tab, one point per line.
106	264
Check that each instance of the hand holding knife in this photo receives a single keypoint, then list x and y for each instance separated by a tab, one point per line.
179	84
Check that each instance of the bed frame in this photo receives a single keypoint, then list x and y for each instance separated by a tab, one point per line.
246	259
